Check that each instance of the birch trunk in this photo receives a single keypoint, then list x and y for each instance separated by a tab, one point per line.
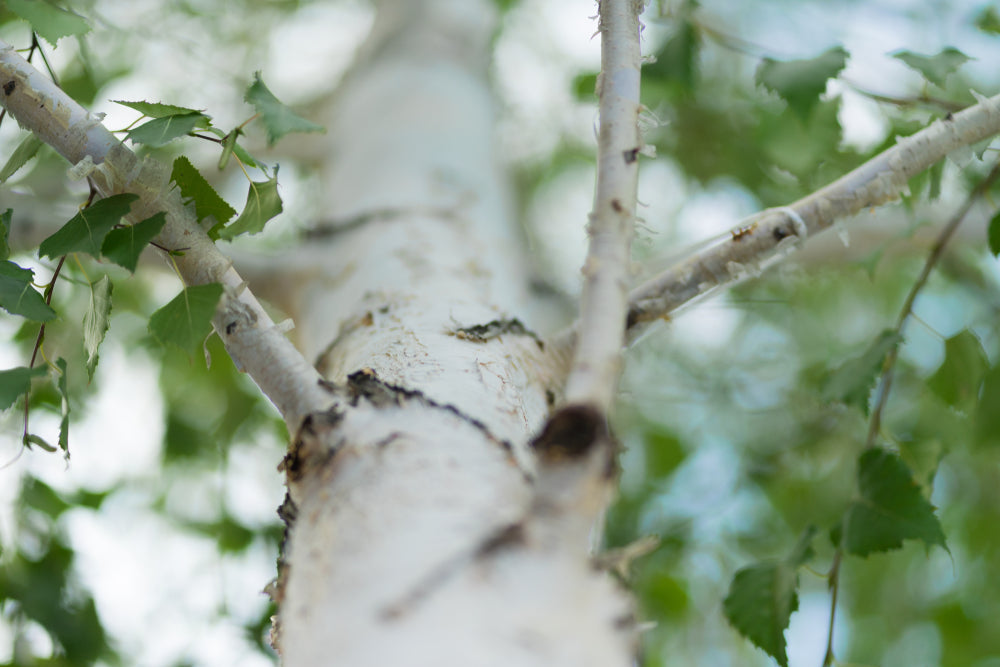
422	532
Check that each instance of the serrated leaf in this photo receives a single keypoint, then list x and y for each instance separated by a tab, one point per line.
187	320
161	131
158	109
96	321
801	82
278	119
86	230
63	386
851	382
958	378
194	187
25	150
16	382
18	297
124	245
988	21
49	21
763	596
263	203
994	234
935	68
5	219
891	508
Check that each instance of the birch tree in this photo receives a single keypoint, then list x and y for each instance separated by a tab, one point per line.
451	455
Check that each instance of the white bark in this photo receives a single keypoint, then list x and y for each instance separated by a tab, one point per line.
593	379
425	532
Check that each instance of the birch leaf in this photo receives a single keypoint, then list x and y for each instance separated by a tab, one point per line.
994	234
86	230
763	596
278	119
95	322
852	381
194	187
958	378
16	382
801	82
63	386
49	21
124	245
187	320
18	297
937	67
891	508
158	109
161	131
263	203
25	150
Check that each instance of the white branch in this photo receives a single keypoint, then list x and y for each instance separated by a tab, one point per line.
769	234
253	341
597	361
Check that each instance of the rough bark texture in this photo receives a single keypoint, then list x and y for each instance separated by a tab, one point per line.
426	529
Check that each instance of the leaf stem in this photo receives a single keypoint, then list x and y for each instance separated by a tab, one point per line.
834	584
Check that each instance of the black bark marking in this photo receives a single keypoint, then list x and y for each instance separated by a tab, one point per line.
8	87
781	232
631	155
480	333
616	206
310	449
570	433
365	384
230	328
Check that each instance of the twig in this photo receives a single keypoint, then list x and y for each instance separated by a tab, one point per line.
253	341
888	367
594	374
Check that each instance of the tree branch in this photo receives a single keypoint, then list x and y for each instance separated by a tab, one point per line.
771	233
255	343
594	375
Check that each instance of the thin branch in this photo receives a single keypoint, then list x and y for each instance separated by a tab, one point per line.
771	233
888	368
594	375
254	342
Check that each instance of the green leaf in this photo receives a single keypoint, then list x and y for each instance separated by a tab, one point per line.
935	68
988	21
96	321
16	382
801	82
278	119
18	297
86	230
193	186
49	21
187	320
762	598
124	245
958	378
161	131
263	203
988	410
852	381
159	109
228	144
63	387
25	151
32	439
994	234
891	508
5	218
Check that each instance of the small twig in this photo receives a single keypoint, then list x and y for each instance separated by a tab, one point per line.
834	585
937	250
